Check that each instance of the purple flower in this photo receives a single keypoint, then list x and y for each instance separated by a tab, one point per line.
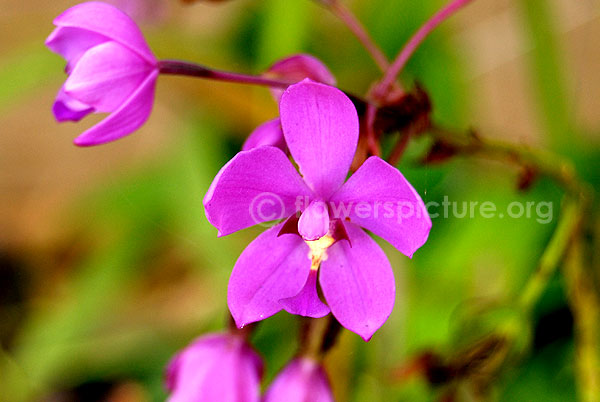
301	380
281	268
111	70
293	68
215	368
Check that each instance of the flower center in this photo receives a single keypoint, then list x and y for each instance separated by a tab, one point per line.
318	250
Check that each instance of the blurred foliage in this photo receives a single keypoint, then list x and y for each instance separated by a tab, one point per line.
141	272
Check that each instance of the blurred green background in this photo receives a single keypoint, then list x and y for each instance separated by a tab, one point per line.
108	265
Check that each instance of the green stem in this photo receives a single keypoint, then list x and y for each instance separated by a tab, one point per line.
577	196
568	226
350	20
317	336
585	305
565	245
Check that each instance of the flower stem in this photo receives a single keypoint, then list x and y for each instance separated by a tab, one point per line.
399	148
575	206
178	67
358	29
413	43
566	248
317	336
372	143
569	224
585	305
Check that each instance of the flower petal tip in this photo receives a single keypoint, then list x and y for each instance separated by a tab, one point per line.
51	38
62	113
367	338
242	320
83	142
368	331
239	322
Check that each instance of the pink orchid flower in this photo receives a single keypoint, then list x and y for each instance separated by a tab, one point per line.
111	69
326	246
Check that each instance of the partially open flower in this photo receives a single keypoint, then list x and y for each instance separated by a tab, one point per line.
215	368
111	70
301	380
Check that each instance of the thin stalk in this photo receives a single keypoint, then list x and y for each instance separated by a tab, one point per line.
313	336
413	43
585	305
372	142
577	197
569	224
564	249
399	148
178	67
358	29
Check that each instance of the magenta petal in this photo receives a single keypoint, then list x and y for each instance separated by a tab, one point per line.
314	221
132	114
106	75
109	21
269	134
381	200
66	108
298	67
215	367
271	268
307	303
255	186
302	380
72	43
358	283
320	126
